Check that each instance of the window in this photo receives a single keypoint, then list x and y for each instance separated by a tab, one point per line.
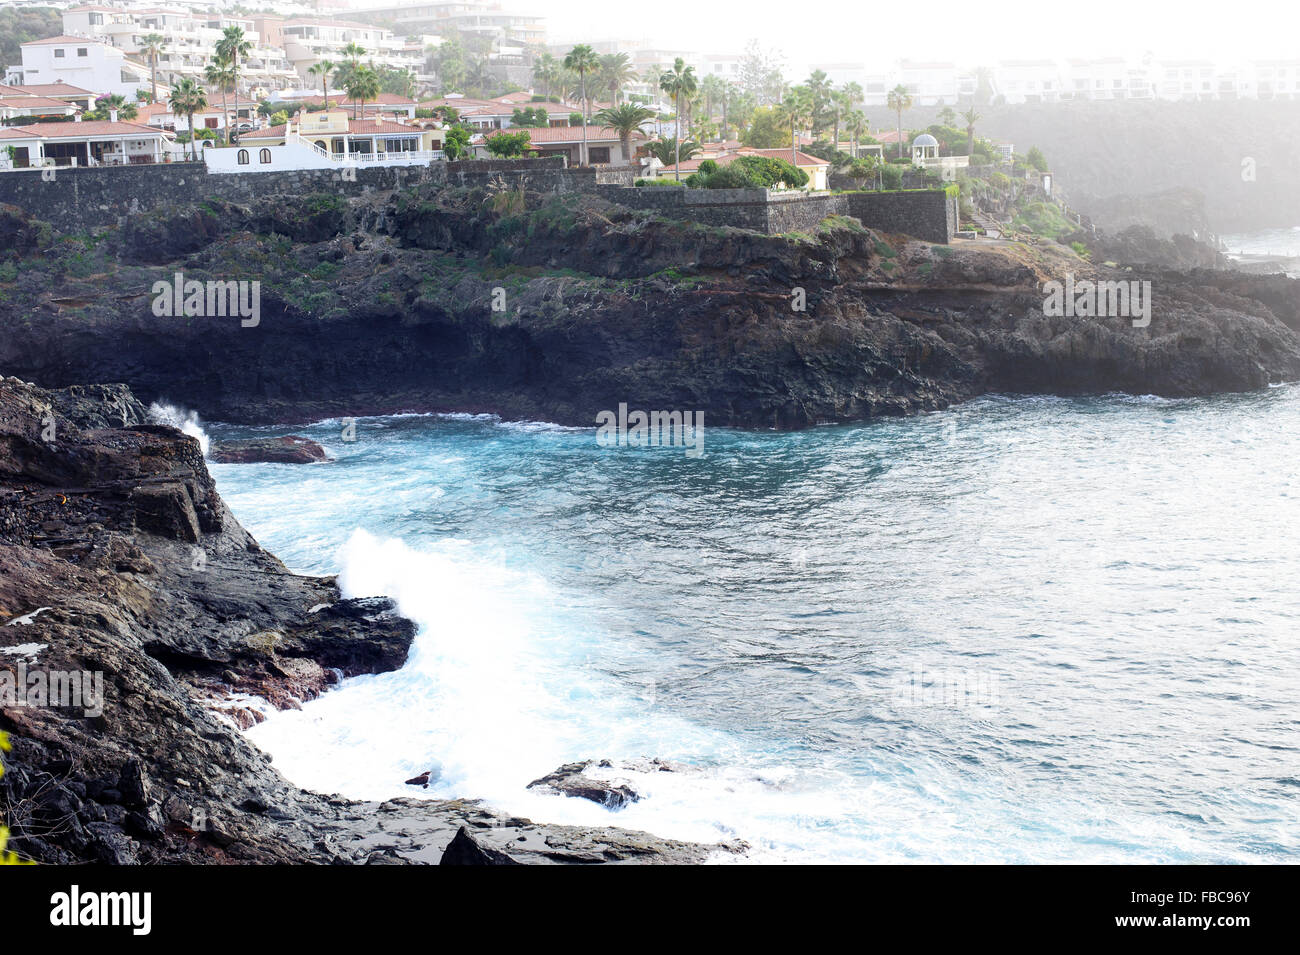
264	156
82	51
242	157
599	155
58	54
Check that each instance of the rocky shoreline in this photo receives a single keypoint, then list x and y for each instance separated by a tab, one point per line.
557	307
118	557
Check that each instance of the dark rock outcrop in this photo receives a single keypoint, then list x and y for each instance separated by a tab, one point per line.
572	779
119	558
432	300
290	449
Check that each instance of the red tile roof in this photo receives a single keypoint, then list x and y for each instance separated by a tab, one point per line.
384	99
356	127
89	128
85	40
32	102
568	134
47	89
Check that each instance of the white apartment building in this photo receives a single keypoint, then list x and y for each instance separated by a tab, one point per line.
467	17
78	61
308	40
189	40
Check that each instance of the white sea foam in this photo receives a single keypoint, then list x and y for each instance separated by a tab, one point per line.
186	421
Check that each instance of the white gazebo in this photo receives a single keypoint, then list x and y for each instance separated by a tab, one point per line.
925	150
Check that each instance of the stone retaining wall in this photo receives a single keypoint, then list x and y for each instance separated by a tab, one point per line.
81	198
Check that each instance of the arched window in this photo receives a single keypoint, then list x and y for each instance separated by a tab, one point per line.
264	156
242	157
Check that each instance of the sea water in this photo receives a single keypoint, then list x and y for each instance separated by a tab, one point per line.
1020	630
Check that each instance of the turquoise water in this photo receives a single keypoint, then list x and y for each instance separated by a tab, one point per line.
1034	630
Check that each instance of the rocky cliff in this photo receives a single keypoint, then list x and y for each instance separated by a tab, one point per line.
558	307
119	558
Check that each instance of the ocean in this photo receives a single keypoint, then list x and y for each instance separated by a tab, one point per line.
1020	630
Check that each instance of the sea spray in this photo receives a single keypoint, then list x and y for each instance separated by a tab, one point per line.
184	420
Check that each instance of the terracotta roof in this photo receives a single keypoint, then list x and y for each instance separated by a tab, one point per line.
384	99
48	89
16	132
32	102
568	134
89	128
65	39
356	127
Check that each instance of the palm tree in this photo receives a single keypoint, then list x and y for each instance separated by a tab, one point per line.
971	118
669	151
847	98
151	47
546	70
615	72
323	70
797	110
625	120
726	92
582	60
232	45
855	121
187	99
219	75
362	85
820	97
678	82
105	106
899	99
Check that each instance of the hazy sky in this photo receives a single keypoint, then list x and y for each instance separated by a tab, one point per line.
965	30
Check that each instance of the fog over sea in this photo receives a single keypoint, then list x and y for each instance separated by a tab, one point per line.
1021	630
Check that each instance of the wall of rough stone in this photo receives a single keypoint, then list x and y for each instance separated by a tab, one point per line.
106	195
929	215
79	198
926	214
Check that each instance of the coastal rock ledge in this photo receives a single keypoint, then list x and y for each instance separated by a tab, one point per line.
119	558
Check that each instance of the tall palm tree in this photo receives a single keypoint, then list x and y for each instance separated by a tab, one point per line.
855	121
219	75
727	91
232	45
713	90
898	100
362	85
971	118
151	47
582	60
679	83
187	99
820	99
546	70
625	120
323	70
615	72
796	108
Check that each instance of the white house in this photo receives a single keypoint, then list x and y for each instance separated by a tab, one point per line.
78	61
99	143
